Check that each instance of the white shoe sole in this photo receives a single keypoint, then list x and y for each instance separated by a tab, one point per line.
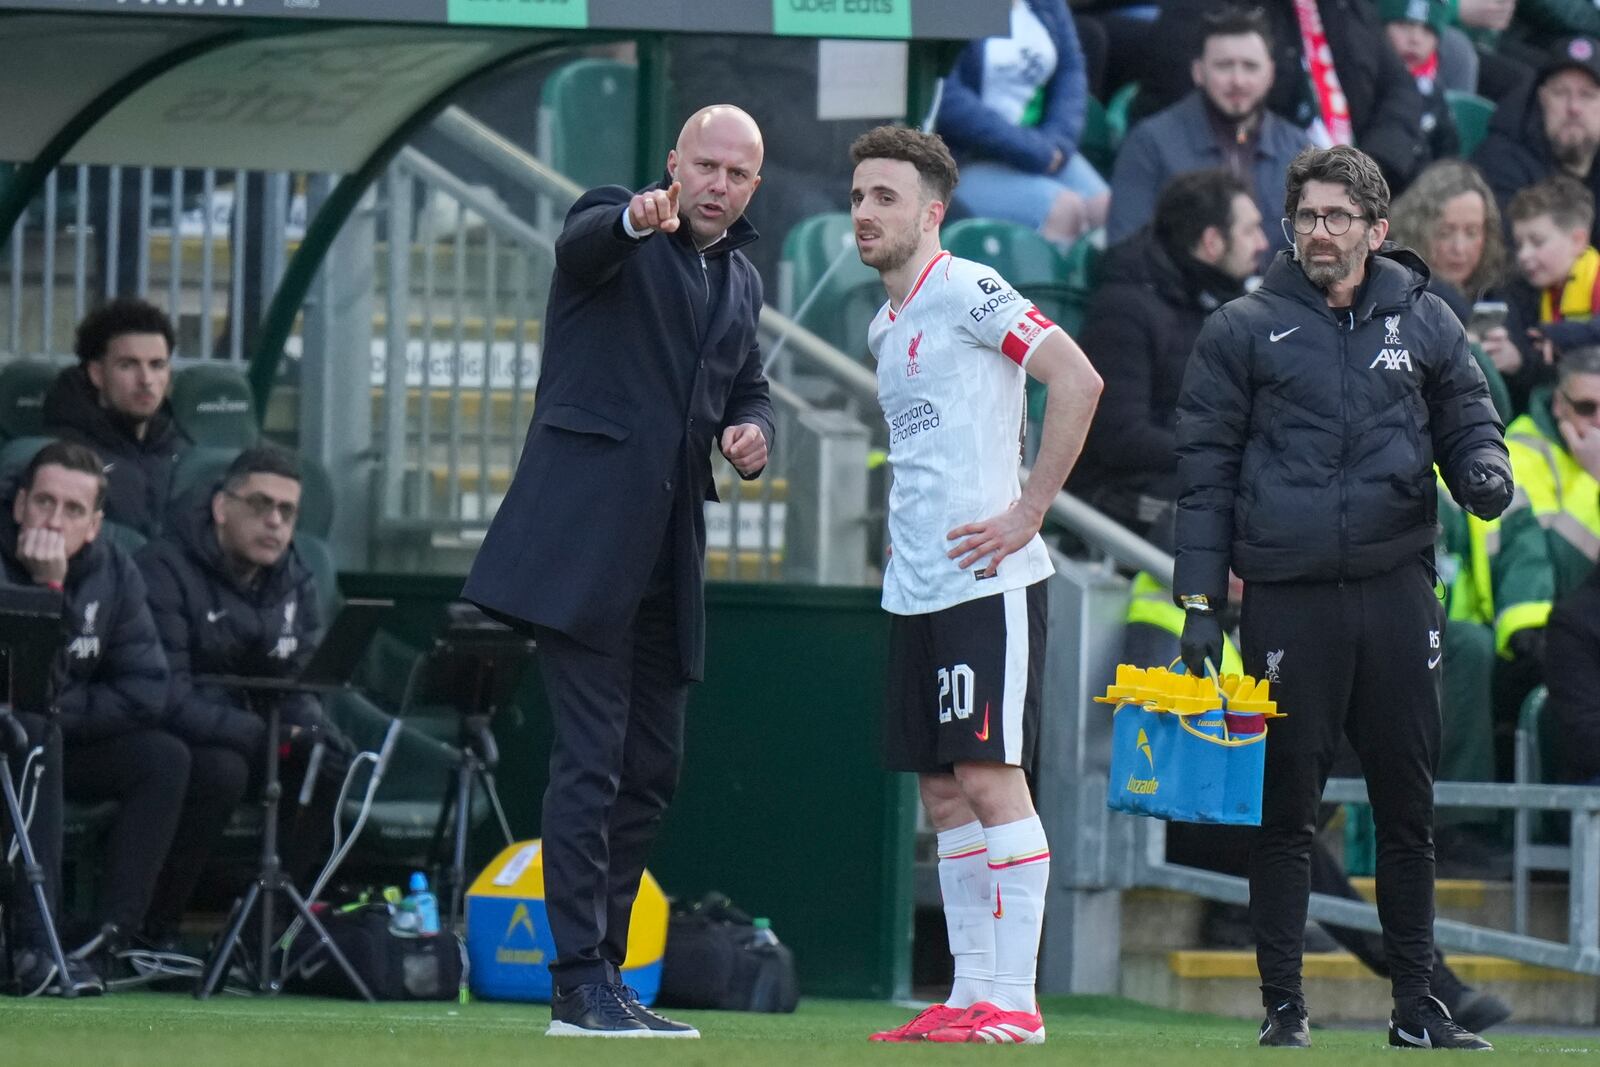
558	1029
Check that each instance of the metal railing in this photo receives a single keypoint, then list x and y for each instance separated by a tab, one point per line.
171	235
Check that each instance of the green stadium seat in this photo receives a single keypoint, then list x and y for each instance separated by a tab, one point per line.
317	555
124	537
23	384
849	296
316	498
1019	254
1096	143
587	121
1472	114
213	404
1117	109
197	474
16	454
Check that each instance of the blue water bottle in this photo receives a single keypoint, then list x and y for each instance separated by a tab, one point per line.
427	905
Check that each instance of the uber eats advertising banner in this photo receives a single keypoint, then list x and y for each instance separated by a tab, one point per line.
955	19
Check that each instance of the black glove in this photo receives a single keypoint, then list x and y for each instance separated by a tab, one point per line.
1201	641
1488	489
1527	645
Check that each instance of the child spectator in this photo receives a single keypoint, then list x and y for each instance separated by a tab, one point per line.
1413	28
1552	303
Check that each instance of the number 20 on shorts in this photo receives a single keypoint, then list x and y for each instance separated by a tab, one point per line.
955	692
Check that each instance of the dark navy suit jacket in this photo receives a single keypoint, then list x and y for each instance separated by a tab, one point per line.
637	382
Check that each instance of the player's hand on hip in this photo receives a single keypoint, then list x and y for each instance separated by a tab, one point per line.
745	446
995	537
656	209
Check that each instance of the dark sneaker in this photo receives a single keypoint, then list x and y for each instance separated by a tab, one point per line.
1424	1022
34	974
659	1025
99	953
594	1009
1286	1026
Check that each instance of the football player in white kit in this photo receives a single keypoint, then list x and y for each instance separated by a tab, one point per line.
966	573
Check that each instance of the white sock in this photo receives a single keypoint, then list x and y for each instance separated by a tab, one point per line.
964	883
1019	863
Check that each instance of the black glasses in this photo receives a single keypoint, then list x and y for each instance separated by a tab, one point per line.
1584	409
1336	222
260	504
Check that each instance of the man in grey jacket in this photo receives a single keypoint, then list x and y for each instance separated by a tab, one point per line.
1223	123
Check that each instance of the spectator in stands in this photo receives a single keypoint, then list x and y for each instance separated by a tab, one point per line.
1552	303
230	595
1156	289
1223	122
1414	29
1573	642
1013	114
1549	127
1449	215
1549	538
115	402
110	679
1357	90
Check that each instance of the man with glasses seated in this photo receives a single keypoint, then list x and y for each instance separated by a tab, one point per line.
230	595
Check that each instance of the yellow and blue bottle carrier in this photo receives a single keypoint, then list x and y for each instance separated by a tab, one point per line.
1188	748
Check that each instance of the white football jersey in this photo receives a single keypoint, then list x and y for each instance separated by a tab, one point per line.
951	383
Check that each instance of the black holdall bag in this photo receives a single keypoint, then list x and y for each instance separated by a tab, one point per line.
394	966
718	958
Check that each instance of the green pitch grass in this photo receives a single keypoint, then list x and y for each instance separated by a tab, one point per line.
161	1030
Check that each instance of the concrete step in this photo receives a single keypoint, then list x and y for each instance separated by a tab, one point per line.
1157	920
1339	989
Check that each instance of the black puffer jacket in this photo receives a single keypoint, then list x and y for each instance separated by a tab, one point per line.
110	676
1307	439
211	624
139	470
1140	329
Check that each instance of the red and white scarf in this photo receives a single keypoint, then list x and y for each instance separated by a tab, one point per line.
1331	102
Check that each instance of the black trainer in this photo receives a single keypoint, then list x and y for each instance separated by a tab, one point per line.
659	1024
34	974
593	1009
1424	1022
1286	1026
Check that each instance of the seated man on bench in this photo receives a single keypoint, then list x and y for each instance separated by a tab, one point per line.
231	596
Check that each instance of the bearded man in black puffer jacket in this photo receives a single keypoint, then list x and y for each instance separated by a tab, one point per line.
1311	416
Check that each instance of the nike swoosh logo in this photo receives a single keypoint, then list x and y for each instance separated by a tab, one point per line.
999	905
984	735
1434	662
1275	336
1421	1042
213	616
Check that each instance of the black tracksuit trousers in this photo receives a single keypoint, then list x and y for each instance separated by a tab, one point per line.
1358	658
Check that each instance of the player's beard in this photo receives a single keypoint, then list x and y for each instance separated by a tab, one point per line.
894	251
1323	275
